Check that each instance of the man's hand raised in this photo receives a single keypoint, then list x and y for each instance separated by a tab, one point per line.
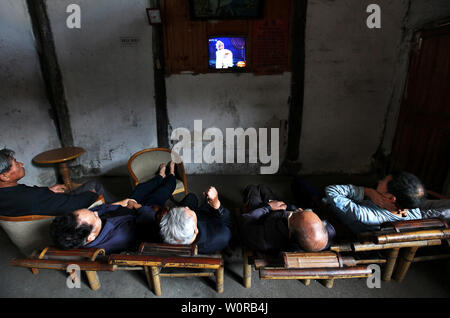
213	197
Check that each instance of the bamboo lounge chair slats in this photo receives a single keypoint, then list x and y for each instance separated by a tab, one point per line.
153	257
315	273
167	249
415	224
414	236
52	258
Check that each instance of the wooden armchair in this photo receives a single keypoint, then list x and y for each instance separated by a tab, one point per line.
154	258
322	266
143	165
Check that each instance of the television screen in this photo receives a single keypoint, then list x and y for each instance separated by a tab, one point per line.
227	52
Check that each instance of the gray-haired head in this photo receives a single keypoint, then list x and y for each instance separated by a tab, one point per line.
6	156
176	227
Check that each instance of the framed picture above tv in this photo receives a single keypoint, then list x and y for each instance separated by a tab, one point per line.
226	9
227	53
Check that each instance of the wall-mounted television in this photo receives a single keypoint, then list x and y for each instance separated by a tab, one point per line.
227	53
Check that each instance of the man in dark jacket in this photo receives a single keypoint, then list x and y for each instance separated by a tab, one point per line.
273	226
208	226
19	199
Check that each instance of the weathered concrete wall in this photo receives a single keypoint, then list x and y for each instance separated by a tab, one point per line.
349	72
228	101
24	109
108	85
353	86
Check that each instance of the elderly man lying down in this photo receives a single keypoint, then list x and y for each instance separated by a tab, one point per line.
271	226
120	226
399	196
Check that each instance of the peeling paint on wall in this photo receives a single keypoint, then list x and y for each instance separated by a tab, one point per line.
26	126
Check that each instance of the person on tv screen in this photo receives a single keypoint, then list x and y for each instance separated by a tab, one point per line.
224	57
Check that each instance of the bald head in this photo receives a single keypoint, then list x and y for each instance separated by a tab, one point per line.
311	233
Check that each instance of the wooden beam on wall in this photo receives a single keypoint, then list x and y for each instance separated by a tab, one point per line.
297	79
162	117
50	69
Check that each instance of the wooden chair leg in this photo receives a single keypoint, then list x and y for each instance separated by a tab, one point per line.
219	279
156	282
328	283
94	281
306	282
148	275
247	269
390	263
405	260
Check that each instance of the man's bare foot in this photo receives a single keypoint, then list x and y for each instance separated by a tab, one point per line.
172	167
162	170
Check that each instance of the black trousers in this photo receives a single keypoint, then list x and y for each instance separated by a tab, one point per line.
258	196
95	185
155	191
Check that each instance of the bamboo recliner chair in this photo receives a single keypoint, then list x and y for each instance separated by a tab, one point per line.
31	233
153	258
322	266
394	246
401	241
143	165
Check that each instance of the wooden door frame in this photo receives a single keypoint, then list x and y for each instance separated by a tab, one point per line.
427	31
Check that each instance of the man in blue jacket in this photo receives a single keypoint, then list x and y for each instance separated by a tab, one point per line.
398	197
120	226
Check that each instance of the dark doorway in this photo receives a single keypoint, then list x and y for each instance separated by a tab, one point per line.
422	142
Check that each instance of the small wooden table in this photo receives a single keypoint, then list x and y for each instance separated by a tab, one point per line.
61	156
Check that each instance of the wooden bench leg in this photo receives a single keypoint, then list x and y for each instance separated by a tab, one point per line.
306	282
219	279
247	269
148	275
405	260
328	283
156	282
93	279
390	263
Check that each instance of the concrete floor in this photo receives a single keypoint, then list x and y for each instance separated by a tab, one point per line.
431	279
